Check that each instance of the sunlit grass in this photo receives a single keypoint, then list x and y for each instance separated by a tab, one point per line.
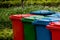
6	34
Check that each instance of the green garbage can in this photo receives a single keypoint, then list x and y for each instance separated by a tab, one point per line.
29	30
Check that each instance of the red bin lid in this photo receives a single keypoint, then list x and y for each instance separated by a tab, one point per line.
19	16
54	25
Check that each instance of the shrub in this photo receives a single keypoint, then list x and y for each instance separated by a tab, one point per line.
7	4
6	34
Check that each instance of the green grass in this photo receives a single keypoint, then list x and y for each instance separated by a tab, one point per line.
6	34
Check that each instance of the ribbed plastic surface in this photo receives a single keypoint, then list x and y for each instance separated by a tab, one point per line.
40	25
42	12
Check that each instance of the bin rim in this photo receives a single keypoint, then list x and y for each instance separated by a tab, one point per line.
53	26
31	18
45	21
40	12
24	20
18	16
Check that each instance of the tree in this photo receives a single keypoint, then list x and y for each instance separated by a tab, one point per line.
22	3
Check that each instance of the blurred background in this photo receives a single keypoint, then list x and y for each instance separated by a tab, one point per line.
10	7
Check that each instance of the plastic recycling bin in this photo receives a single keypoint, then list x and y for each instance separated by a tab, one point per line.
43	12
40	25
17	25
55	15
54	27
29	29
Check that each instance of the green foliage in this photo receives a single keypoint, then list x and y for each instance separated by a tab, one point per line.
43	2
10	3
6	34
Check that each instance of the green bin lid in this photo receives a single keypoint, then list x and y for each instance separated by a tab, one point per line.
31	18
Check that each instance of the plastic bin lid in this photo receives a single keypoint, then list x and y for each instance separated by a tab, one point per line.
18	16
31	18
55	15
54	25
45	21
42	12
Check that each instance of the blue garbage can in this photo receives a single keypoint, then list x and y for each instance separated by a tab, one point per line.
42	12
40	25
55	15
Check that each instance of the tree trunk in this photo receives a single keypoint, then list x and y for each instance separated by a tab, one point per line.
22	3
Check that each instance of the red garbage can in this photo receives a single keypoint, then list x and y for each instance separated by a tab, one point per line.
17	25
54	27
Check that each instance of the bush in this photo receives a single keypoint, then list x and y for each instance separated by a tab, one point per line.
8	4
43	3
11	3
6	34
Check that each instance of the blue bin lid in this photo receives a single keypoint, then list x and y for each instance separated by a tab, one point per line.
42	12
55	15
45	21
